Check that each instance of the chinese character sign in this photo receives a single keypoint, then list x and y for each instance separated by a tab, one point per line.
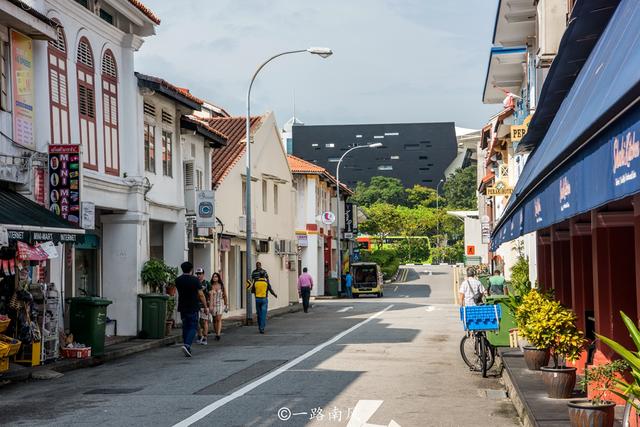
348	217
22	88
64	181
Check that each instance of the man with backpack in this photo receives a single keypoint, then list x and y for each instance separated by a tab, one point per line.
260	287
471	290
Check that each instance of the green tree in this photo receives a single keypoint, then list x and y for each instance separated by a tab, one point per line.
419	195
381	189
460	189
382	220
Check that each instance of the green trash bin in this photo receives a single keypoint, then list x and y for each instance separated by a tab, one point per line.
500	338
154	315
332	286
87	322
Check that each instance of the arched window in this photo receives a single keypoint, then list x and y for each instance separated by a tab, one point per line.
87	103
58	90
110	112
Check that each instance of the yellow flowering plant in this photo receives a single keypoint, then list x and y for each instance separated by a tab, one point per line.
550	325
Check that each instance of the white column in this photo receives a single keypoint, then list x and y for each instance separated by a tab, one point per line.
124	250
176	250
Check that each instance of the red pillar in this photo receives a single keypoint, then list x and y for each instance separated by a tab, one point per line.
614	274
561	265
581	271
544	260
636	227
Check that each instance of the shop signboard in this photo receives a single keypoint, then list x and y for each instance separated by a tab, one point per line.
4	236
64	181
499	189
518	132
88	215
471	250
205	211
348	236
225	244
22	88
303	240
328	218
348	217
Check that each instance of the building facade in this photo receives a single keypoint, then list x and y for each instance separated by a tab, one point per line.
415	153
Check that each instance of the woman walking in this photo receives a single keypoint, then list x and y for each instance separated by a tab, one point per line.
218	303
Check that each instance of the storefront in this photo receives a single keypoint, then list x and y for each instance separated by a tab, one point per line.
580	190
34	244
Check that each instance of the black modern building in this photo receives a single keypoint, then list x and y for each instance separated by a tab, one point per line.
415	153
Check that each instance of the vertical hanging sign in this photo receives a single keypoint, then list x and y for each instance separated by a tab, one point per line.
64	181
22	88
348	217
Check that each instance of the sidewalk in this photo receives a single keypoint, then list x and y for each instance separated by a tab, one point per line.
116	348
529	395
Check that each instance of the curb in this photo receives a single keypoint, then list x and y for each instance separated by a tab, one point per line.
523	410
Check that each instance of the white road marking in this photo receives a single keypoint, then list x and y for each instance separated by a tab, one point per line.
395	289
406	296
247	388
430	308
343	310
364	410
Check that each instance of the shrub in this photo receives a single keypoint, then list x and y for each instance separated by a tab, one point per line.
601	379
156	274
547	324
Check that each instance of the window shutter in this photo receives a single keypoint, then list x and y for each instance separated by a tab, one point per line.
59	43
149	109
109	65
167	118
188	174
84	53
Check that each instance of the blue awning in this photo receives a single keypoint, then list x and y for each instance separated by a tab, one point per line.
587	22
591	153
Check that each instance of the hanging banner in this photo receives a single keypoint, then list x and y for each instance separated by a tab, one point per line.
348	217
22	89
88	215
205	212
64	181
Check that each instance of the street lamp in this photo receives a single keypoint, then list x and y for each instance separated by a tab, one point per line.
323	52
374	145
438	212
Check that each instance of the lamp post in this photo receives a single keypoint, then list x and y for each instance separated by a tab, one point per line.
323	52
374	145
438	212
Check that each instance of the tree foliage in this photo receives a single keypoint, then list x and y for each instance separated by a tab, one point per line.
383	220
419	195
381	189
460	189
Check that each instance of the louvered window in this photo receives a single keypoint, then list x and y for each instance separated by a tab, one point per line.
58	90
87	104
167	118
110	113
149	109
188	175
59	43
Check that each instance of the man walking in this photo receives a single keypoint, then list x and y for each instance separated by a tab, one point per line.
496	284
260	288
305	285
190	296
348	283
205	318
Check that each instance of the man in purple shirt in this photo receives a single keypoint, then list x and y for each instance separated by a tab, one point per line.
305	284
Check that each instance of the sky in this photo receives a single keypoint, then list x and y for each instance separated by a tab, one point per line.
395	61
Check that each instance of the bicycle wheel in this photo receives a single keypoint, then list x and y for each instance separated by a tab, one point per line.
468	351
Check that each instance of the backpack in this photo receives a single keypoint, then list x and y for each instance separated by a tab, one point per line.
477	294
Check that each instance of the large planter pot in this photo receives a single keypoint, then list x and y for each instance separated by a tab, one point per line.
583	413
559	381
536	358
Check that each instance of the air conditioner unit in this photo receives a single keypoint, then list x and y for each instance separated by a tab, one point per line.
262	246
277	248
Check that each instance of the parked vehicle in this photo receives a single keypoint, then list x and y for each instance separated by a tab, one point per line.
367	279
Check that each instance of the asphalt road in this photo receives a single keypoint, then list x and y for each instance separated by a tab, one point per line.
379	360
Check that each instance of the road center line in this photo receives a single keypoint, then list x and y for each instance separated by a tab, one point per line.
247	388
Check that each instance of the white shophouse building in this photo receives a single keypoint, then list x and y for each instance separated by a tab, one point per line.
272	209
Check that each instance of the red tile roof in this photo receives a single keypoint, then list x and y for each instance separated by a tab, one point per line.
301	166
225	158
203	123
173	88
146	11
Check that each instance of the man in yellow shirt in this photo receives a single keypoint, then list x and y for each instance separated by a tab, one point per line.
260	287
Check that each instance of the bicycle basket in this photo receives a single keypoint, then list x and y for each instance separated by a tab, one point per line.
481	317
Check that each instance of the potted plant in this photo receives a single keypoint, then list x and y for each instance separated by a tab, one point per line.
597	410
554	327
535	356
155	275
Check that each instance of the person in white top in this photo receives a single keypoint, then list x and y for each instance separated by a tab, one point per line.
468	288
